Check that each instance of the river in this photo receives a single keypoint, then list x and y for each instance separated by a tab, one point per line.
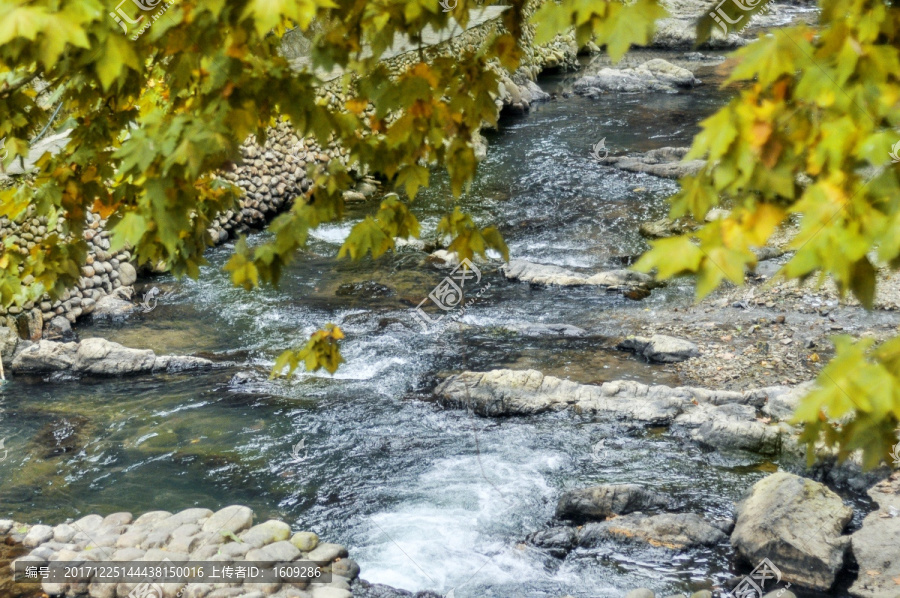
424	498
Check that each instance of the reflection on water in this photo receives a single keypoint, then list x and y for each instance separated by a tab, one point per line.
423	498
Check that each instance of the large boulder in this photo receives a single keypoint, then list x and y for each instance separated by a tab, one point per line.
653	75
660	348
607	500
98	356
876	546
796	523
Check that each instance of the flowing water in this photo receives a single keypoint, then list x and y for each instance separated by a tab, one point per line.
424	498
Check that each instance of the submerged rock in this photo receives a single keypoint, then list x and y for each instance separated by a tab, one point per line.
660	348
599	502
876	546
796	523
99	357
365	289
653	75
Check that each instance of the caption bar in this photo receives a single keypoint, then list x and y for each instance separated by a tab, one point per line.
170	572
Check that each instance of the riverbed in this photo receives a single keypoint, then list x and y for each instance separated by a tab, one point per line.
424	498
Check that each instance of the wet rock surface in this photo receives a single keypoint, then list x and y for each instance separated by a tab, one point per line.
656	75
660	348
99	357
674	531
546	274
666	162
523	392
599	502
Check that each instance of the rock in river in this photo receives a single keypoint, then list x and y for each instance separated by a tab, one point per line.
676	531
660	348
876	546
796	523
555	275
653	75
665	162
599	502
100	357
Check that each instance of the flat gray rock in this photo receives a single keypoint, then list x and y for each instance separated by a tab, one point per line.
660	348
99	357
547	274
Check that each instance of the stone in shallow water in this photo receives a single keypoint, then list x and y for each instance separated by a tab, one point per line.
599	502
676	531
796	523
660	348
876	546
